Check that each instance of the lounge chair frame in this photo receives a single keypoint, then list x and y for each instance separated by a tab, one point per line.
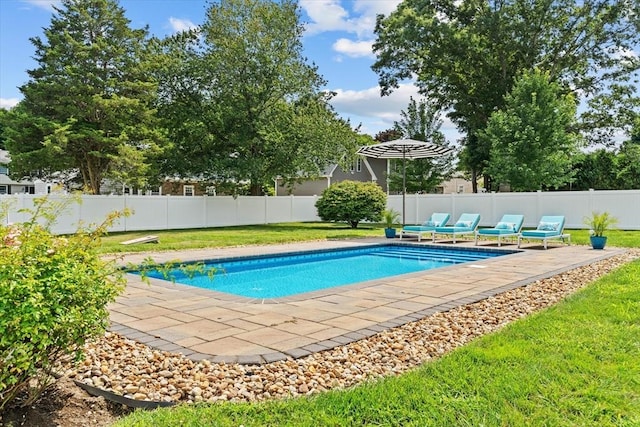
495	232
419	230
546	236
546	239
458	231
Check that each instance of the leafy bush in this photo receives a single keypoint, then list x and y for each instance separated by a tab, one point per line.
352	202
53	296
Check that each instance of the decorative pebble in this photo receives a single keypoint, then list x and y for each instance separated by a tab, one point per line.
130	368
130	388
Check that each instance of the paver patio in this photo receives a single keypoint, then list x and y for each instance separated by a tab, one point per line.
204	324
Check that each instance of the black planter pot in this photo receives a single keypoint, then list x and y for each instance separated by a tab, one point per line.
598	242
390	233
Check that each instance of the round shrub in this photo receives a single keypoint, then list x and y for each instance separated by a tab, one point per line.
53	296
352	202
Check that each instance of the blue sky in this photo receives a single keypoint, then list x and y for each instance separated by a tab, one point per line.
338	38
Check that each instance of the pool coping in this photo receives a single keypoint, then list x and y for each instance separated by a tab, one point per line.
182	319
320	292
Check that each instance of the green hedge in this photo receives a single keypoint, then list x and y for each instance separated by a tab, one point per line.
352	202
53	296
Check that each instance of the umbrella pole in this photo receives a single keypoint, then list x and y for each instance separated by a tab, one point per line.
404	184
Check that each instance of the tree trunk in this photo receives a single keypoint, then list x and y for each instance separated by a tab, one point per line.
474	181
487	183
256	189
95	183
94	180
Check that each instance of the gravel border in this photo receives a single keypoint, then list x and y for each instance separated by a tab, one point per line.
131	369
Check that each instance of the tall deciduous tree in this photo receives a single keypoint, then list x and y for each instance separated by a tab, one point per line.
388	135
629	160
26	137
531	138
466	54
421	121
243	104
597	170
3	123
90	100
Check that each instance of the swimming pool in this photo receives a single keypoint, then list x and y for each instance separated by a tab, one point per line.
275	276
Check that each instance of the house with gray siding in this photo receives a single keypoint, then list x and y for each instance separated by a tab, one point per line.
362	169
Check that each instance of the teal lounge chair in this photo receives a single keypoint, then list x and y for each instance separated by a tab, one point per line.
466	224
427	227
549	227
509	226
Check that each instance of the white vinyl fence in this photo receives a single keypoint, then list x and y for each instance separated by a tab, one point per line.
574	205
178	212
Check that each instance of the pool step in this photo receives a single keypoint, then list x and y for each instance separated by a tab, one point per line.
421	254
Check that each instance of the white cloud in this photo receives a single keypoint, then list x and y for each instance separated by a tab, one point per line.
358	18
44	4
8	103
331	15
325	15
179	25
622	53
376	7
377	113
354	49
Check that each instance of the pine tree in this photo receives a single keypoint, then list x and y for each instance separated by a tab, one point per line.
93	94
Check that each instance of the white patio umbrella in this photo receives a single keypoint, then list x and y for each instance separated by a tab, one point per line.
404	149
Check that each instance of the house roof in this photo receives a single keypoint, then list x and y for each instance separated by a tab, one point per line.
5	180
329	170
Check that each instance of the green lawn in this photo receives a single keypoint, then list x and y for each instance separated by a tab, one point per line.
575	364
237	236
622	238
289	232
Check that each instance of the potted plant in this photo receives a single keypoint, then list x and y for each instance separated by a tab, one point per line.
390	217
599	223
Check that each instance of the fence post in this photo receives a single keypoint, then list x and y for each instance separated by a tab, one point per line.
205	211
21	205
266	207
166	212
454	215
494	217
124	218
237	206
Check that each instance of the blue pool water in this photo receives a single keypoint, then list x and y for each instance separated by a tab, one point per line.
290	274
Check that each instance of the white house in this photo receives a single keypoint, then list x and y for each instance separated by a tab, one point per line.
9	186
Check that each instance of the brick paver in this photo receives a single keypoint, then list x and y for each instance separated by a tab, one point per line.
221	327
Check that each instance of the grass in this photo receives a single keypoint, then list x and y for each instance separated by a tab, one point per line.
621	238
577	363
574	364
289	232
238	236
